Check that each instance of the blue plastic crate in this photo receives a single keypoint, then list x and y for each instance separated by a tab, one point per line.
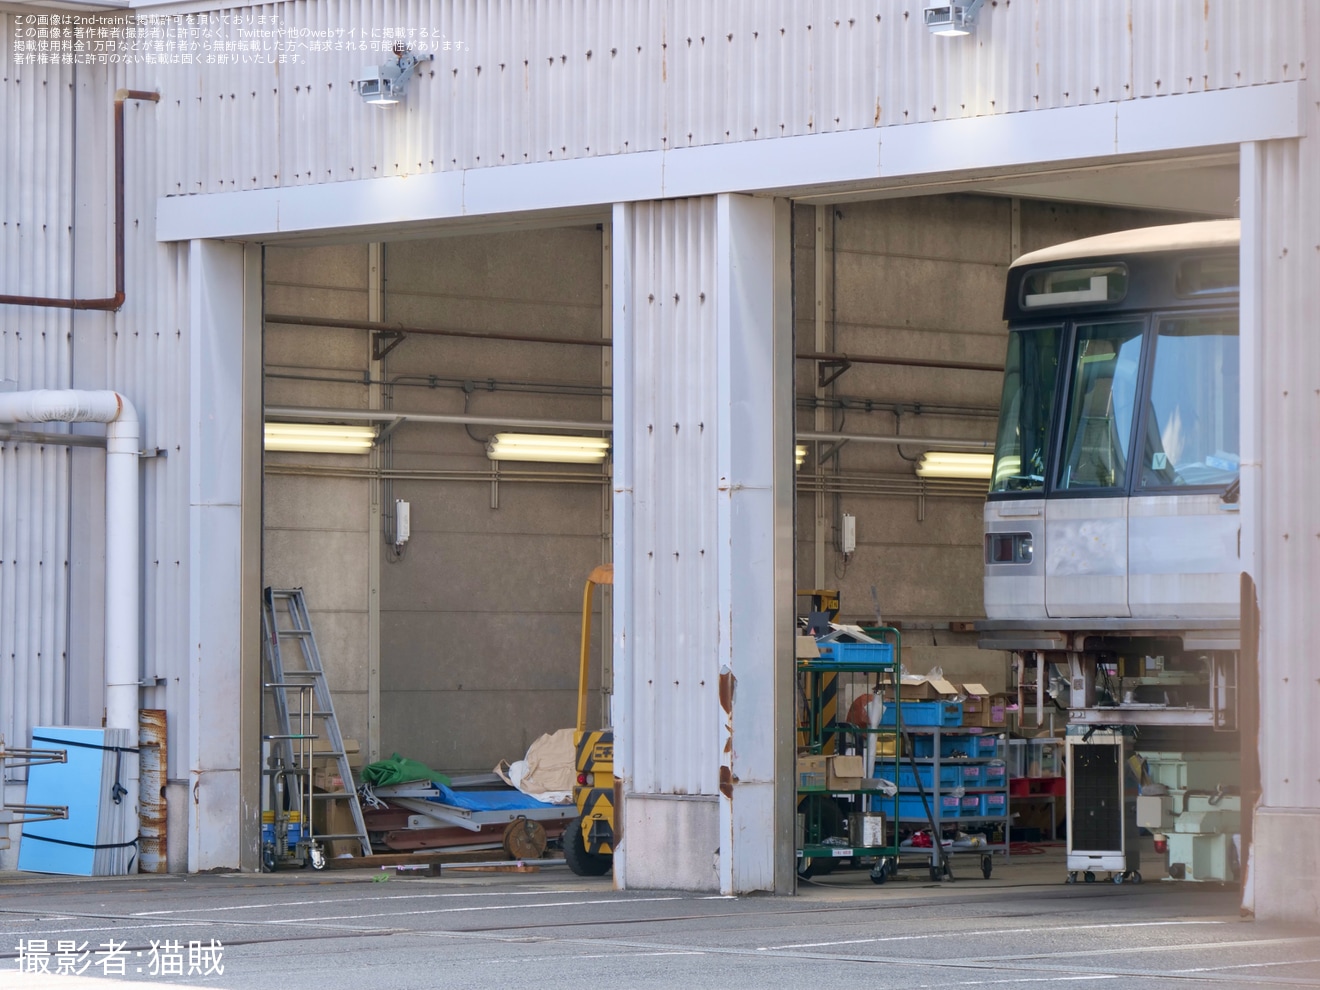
986	745
994	774
994	805
951	807
970	805
923	746
848	653
924	713
949	777
972	775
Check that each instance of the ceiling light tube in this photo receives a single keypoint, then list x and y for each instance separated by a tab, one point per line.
319	438
799	454
944	464
547	448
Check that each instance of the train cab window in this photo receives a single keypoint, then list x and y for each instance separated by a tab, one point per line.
1190	436
1022	441
1100	406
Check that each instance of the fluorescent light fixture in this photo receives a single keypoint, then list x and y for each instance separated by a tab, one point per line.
942	464
799	454
545	447
320	438
949	20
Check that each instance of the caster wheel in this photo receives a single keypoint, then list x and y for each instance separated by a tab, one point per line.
1072	878
1136	876
987	867
881	873
316	858
1118	878
934	874
1089	877
268	861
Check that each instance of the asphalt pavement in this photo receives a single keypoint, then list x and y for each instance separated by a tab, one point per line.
358	929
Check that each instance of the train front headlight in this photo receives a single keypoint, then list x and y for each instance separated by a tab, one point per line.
1008	548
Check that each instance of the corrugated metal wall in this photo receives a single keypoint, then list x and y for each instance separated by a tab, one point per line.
666	477
1287	519
539	80
36	256
56	139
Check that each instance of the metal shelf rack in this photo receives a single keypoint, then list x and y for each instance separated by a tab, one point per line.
822	842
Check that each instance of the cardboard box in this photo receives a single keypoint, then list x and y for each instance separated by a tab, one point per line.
923	690
845	772
996	712
976	706
356	758
335	818
812	771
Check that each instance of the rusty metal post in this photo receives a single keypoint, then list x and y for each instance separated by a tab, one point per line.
153	764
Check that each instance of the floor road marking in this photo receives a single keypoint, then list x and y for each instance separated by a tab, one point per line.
964	933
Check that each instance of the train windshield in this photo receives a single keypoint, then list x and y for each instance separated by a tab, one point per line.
1191	424
1022	444
1101	402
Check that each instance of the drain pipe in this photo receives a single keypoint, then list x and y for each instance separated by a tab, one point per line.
122	566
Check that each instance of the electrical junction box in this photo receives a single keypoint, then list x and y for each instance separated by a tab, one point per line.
848	534
402	522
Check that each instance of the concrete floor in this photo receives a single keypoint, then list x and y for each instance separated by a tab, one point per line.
333	930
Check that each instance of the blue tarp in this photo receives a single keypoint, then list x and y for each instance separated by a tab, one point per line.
487	800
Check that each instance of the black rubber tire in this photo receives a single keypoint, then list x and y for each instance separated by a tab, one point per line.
881	872
581	862
268	861
1136	876
1118	878
987	867
935	874
1072	878
1089	877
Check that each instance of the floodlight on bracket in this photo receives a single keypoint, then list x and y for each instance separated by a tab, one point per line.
956	17
386	84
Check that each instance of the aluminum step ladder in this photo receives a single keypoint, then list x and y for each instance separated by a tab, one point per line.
296	686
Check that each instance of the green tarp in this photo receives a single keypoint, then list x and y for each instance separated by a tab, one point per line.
399	770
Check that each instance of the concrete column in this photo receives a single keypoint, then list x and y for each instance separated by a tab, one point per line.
1281	521
224	469
703	592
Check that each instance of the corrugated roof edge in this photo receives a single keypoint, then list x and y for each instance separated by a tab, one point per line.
1144	240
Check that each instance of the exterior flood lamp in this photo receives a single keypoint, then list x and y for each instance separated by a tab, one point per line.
942	464
320	438
547	448
386	84
948	20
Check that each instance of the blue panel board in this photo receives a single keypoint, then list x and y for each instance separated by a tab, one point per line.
77	784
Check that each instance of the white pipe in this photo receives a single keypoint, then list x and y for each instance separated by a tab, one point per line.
122	577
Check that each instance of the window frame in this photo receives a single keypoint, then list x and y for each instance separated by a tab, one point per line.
1150	356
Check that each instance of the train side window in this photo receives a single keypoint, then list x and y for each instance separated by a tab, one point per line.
1190	436
1100	407
1022	441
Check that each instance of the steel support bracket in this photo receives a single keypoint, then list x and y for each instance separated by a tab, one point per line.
384	341
829	369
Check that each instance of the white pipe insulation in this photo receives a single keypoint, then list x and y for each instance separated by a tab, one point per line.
122	565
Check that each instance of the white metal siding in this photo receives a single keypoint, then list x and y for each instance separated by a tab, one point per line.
36	257
56	142
667	647
1287	518
537	80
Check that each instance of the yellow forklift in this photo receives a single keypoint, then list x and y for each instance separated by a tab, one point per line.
589	838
